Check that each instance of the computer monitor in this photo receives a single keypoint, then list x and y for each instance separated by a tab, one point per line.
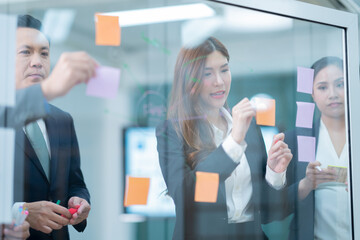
141	160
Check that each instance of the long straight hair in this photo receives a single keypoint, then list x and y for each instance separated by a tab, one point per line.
185	110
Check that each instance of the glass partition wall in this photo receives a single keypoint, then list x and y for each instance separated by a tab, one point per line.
156	156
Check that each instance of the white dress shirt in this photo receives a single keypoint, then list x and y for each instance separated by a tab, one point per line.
332	213
238	186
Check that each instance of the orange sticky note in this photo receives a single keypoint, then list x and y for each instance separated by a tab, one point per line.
265	112
206	187
136	191
107	30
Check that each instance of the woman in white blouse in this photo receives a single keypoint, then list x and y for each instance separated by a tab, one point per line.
201	135
322	210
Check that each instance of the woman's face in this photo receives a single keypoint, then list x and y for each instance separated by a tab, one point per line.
216	81
328	92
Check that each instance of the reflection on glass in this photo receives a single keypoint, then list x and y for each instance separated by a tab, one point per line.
322	211
202	138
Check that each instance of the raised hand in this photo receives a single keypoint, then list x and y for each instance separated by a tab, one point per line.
279	155
72	68
242	114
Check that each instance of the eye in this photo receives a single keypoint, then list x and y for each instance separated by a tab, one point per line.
45	54
340	85
322	88
225	70
25	52
207	74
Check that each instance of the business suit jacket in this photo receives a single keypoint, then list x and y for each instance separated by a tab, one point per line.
30	105
66	179
302	225
197	220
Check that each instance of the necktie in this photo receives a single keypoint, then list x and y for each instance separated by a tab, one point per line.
38	143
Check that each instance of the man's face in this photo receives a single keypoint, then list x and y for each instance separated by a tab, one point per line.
32	57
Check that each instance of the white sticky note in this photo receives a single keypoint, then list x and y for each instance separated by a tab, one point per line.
7	143
8	25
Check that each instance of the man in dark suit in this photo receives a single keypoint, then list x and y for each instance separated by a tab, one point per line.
47	149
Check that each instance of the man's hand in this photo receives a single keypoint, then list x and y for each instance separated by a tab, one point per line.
82	212
279	155
45	216
16	233
72	68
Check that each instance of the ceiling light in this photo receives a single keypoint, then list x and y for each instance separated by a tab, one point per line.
162	14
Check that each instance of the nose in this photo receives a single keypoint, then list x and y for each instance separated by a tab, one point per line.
36	61
333	94
218	81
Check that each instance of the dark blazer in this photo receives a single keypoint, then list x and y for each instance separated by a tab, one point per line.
195	220
302	225
66	179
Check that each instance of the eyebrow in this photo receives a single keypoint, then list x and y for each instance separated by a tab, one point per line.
336	80
29	47
339	79
209	68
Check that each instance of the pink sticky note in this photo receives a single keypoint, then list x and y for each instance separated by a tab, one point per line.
305	114
305	79
306	148
105	84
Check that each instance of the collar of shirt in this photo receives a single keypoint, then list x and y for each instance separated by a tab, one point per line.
218	134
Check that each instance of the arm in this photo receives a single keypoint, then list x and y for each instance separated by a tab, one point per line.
179	177
71	69
30	105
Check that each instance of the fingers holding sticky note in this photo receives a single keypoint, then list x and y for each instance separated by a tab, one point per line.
265	111
136	191
206	187
108	32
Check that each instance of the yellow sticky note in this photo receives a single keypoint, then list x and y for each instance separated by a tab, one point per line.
206	187
107	30
265	114
136	191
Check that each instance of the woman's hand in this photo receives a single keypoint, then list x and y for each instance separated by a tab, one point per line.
313	178
279	155
242	114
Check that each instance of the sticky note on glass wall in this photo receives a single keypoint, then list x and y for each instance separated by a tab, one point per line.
265	111
105	84
206	187
108	32
136	191
305	79
305	114
306	148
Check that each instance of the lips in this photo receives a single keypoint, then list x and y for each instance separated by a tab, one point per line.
335	104
35	76
218	94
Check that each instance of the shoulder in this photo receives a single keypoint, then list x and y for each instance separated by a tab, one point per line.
57	113
166	130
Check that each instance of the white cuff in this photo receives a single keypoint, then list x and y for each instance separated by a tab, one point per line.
234	150
15	209
274	179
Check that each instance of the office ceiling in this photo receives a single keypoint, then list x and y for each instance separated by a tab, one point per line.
82	31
